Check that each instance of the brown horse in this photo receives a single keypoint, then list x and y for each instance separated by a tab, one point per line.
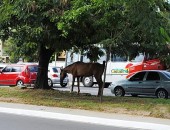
81	69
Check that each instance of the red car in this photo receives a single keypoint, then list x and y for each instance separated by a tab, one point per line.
154	64
18	74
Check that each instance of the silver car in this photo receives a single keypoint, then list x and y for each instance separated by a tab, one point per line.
149	82
54	76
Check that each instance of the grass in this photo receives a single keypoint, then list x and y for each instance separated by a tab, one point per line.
152	107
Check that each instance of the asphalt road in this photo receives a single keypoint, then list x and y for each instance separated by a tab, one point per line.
92	90
19	122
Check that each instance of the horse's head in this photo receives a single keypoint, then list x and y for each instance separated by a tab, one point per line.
63	74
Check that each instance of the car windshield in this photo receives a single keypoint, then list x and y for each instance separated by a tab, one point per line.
138	58
167	74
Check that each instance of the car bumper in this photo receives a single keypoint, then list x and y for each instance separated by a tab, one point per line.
29	83
57	81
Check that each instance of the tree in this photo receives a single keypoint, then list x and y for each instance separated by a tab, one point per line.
51	25
32	24
21	52
147	26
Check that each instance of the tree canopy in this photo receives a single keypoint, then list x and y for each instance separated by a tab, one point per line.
41	27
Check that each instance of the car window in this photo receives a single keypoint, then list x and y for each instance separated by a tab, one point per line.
7	69
33	68
167	74
55	70
16	69
138	77
153	76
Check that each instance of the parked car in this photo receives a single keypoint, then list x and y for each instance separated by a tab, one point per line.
18	74
2	65
147	82
54	76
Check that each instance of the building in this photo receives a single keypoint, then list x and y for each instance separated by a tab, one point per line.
4	58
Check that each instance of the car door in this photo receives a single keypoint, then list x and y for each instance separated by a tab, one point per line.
135	83
4	75
14	74
152	81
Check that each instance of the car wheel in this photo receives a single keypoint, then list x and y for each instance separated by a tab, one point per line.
87	81
20	83
134	95
64	85
162	94
119	92
50	83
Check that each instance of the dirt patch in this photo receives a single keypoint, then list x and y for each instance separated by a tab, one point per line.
13	100
126	111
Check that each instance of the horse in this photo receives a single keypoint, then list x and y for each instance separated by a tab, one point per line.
81	69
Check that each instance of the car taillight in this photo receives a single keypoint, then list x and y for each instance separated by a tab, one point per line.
55	75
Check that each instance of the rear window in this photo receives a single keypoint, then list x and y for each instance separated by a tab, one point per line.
153	76
33	68
55	70
167	74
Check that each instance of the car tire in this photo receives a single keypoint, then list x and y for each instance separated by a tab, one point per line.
63	85
50	83
20	83
88	81
161	93
119	92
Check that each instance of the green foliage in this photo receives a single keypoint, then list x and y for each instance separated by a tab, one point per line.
24	52
32	23
140	26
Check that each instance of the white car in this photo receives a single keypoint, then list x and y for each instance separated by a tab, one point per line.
54	76
2	65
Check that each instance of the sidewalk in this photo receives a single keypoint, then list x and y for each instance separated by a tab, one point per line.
86	116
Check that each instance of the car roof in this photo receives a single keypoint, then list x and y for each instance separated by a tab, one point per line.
131	74
153	71
22	65
54	67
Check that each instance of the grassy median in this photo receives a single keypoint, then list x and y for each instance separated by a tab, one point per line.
152	107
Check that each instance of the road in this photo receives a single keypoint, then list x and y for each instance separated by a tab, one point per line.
92	90
18	122
30	117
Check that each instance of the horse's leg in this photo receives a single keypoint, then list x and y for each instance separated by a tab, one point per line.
100	83
78	84
72	84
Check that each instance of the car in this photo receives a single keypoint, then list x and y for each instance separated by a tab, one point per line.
2	65
146	82
18	75
54	76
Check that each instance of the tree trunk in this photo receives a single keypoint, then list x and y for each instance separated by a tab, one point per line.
42	76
